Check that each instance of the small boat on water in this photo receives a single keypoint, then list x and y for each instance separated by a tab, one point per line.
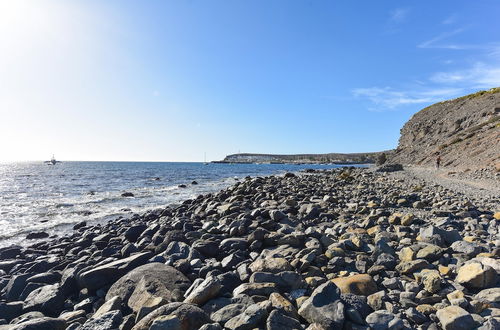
53	161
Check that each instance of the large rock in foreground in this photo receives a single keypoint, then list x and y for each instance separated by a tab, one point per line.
98	277
324	307
168	283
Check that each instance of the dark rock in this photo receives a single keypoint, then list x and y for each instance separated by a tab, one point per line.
390	168
10	252
207	248
226	313
109	320
324	307
37	235
277	321
48	299
79	225
9	311
26	317
382	320
133	232
249	319
127	194
43	323
46	278
98	277
15	286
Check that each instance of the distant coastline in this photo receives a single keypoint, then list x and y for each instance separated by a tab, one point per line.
301	159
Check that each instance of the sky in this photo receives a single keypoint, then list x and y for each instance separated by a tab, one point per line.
172	80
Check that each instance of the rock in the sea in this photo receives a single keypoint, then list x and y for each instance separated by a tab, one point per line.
455	318
127	194
324	307
37	235
361	284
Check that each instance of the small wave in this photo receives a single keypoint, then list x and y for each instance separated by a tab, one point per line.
59	205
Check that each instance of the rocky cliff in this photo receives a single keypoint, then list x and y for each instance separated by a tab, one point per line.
464	131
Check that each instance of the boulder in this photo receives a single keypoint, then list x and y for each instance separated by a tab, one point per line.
476	275
490	295
48	299
455	318
278	321
42	323
37	235
170	278
225	313
9	311
191	317
205	291
382	320
467	248
15	286
106	321
101	276
270	265
149	294
361	284
133	232
26	317
324	307
249	319
113	304
255	289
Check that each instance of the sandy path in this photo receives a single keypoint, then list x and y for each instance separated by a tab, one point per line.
474	189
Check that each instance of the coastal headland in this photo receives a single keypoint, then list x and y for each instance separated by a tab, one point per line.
330	158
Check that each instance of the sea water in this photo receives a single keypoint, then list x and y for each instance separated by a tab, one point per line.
38	197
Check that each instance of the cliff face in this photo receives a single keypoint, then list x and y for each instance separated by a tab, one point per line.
464	131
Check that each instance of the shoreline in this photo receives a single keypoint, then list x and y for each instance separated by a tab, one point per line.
348	247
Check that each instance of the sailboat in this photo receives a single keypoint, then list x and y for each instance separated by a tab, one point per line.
52	161
205	162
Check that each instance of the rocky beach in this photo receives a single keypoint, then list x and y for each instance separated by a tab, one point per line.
349	248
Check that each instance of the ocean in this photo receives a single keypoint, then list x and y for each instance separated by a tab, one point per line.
52	198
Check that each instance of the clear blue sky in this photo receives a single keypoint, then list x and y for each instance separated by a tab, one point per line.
171	80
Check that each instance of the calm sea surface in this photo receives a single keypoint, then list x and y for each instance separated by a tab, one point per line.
39	197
